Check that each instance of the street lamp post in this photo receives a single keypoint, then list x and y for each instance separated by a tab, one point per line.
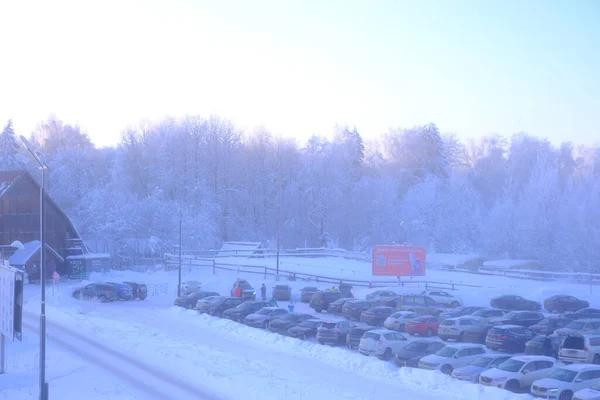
44	169
179	272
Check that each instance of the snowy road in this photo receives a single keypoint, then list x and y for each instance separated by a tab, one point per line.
155	384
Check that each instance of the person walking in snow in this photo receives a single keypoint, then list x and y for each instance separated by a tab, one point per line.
263	292
273	303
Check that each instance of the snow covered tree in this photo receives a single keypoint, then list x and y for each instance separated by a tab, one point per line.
10	159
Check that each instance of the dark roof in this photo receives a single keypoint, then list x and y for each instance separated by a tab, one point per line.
8	179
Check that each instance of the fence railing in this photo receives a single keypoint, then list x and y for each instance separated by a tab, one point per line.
269	253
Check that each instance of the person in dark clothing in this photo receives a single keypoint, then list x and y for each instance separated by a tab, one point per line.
547	346
263	292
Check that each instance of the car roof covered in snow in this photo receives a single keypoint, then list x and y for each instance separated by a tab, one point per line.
533	358
580	367
464	345
507	326
382	331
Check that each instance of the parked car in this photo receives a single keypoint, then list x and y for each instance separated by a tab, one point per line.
521	318
200	304
306	293
421	304
333	332
397	321
284	322
218	305
476	335
535	346
452	356
471	372
562	303
101	291
411	354
248	292
445	298
509	338
305	329
591	393
460	311
355	334
336	306
487	314
549	324
426	325
380	295
320	301
262	317
456	328
518	373
140	290
282	292
578	348
376	316
246	308
579	326
515	303
124	291
564	381
353	309
584	313
190	300
382	343
188	287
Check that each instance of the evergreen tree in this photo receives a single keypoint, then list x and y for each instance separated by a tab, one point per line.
9	149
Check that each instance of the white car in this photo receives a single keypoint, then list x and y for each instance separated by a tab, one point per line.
564	381
486	314
518	372
482	363
382	343
397	321
189	287
452	356
382	295
591	393
579	326
444	298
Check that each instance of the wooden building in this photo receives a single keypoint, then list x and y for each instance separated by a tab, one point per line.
20	220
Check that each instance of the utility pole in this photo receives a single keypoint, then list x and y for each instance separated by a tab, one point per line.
44	169
179	273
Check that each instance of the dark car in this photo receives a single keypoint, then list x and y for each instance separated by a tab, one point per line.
376	316
393	302
353	309
320	301
282	292
509	338
460	311
101	291
240	312
355	334
305	329
476	335
140	290
285	322
218	305
535	347
549	324
584	313
333	332
346	289
190	300
124	291
410	355
306	293
515	303
521	318
562	303
336	306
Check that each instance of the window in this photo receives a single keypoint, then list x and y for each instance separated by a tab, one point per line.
595	341
531	367
465	322
462	353
587	375
476	350
592	325
429	300
498	361
399	336
419	300
544	364
389	336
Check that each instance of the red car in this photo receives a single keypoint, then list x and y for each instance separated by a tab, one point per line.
424	326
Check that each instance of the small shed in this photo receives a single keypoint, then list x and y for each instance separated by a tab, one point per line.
28	259
80	266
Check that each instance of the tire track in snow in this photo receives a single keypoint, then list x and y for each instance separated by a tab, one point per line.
145	378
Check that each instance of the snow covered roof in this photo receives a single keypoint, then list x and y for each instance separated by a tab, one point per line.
231	248
21	257
88	256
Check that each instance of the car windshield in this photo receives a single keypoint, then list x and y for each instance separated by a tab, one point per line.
310	324
511	365
563	375
245	305
448	322
265	311
481	362
417	346
447	352
371	335
575	325
512	315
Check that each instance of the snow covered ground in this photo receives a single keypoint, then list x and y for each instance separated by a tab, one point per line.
222	359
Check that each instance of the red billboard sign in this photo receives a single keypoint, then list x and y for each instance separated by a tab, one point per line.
398	261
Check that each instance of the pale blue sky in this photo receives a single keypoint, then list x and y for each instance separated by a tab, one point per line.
299	67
